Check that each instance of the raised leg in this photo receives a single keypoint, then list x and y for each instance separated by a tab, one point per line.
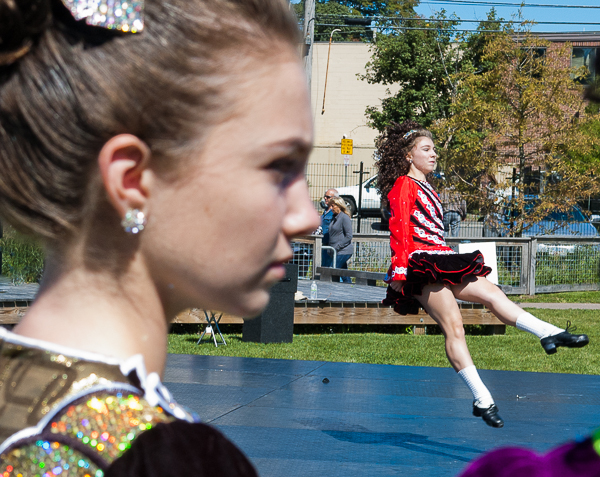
480	290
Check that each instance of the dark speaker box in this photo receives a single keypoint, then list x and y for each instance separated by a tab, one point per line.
276	323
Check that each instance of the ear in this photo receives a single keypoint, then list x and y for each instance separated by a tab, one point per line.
123	163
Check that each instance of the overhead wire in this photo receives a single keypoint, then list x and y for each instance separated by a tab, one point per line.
506	4
409	28
399	17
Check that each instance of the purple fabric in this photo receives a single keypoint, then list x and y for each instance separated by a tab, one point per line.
575	459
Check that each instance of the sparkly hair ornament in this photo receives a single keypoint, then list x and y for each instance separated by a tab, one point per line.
409	133
126	16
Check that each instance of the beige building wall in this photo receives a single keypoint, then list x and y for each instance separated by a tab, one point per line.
346	100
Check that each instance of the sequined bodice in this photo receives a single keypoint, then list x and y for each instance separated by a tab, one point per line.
63	414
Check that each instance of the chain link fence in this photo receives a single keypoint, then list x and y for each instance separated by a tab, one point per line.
326	176
524	265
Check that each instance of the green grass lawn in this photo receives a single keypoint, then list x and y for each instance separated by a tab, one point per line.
516	350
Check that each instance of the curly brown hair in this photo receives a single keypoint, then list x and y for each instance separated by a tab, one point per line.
393	146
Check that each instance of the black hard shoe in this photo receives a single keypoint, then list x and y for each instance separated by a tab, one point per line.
489	415
566	339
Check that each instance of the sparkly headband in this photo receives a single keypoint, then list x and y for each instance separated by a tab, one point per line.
127	16
409	133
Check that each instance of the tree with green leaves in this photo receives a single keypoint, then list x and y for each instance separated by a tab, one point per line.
516	139
420	57
355	18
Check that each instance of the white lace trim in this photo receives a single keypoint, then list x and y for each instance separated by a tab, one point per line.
434	194
432	238
427	223
399	271
433	252
432	210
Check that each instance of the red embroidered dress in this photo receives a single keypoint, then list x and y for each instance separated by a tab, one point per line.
420	255
416	224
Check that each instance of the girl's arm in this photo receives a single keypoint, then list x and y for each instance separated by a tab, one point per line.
401	199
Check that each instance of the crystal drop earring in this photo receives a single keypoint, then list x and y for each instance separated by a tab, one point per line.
134	221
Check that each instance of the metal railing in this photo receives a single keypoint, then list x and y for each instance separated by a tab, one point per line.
525	265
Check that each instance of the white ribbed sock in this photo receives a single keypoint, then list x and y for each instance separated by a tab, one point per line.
481	395
531	324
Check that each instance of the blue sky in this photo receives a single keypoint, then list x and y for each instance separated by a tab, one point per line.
538	14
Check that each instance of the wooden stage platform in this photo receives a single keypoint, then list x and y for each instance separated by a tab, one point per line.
337	303
341	303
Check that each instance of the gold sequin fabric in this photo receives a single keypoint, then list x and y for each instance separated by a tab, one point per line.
69	415
35	382
48	458
86	438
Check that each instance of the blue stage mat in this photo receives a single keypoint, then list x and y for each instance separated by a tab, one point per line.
375	420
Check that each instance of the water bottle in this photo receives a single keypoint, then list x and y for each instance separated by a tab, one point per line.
313	291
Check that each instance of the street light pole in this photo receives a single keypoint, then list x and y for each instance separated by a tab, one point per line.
327	69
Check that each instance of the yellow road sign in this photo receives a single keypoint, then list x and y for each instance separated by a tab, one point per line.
347	146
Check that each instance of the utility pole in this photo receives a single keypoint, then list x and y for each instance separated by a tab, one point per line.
309	38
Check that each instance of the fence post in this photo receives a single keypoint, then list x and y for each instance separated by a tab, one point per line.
532	259
317	254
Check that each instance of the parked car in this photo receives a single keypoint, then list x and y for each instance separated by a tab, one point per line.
568	223
371	200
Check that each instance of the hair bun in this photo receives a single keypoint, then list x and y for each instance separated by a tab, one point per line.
20	22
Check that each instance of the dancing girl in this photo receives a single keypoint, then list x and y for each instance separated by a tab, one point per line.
122	123
426	273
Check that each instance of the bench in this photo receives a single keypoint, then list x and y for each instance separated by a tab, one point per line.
361	278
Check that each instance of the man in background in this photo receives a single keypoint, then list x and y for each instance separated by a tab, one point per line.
455	211
326	259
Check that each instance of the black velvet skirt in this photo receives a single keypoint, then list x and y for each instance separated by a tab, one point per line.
425	268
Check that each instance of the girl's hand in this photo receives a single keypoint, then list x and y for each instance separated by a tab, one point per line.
397	285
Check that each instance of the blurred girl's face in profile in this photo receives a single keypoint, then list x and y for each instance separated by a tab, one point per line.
217	237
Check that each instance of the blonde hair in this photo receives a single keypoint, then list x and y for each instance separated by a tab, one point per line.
341	203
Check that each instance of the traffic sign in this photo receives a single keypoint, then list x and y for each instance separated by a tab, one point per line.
347	147
346	160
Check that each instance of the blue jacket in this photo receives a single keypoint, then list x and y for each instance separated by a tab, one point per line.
325	221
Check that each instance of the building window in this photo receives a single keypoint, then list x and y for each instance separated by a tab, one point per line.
585	57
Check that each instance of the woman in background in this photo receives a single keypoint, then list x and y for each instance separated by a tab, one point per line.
426	273
340	235
121	123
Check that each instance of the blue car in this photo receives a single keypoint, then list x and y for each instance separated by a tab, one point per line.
568	223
